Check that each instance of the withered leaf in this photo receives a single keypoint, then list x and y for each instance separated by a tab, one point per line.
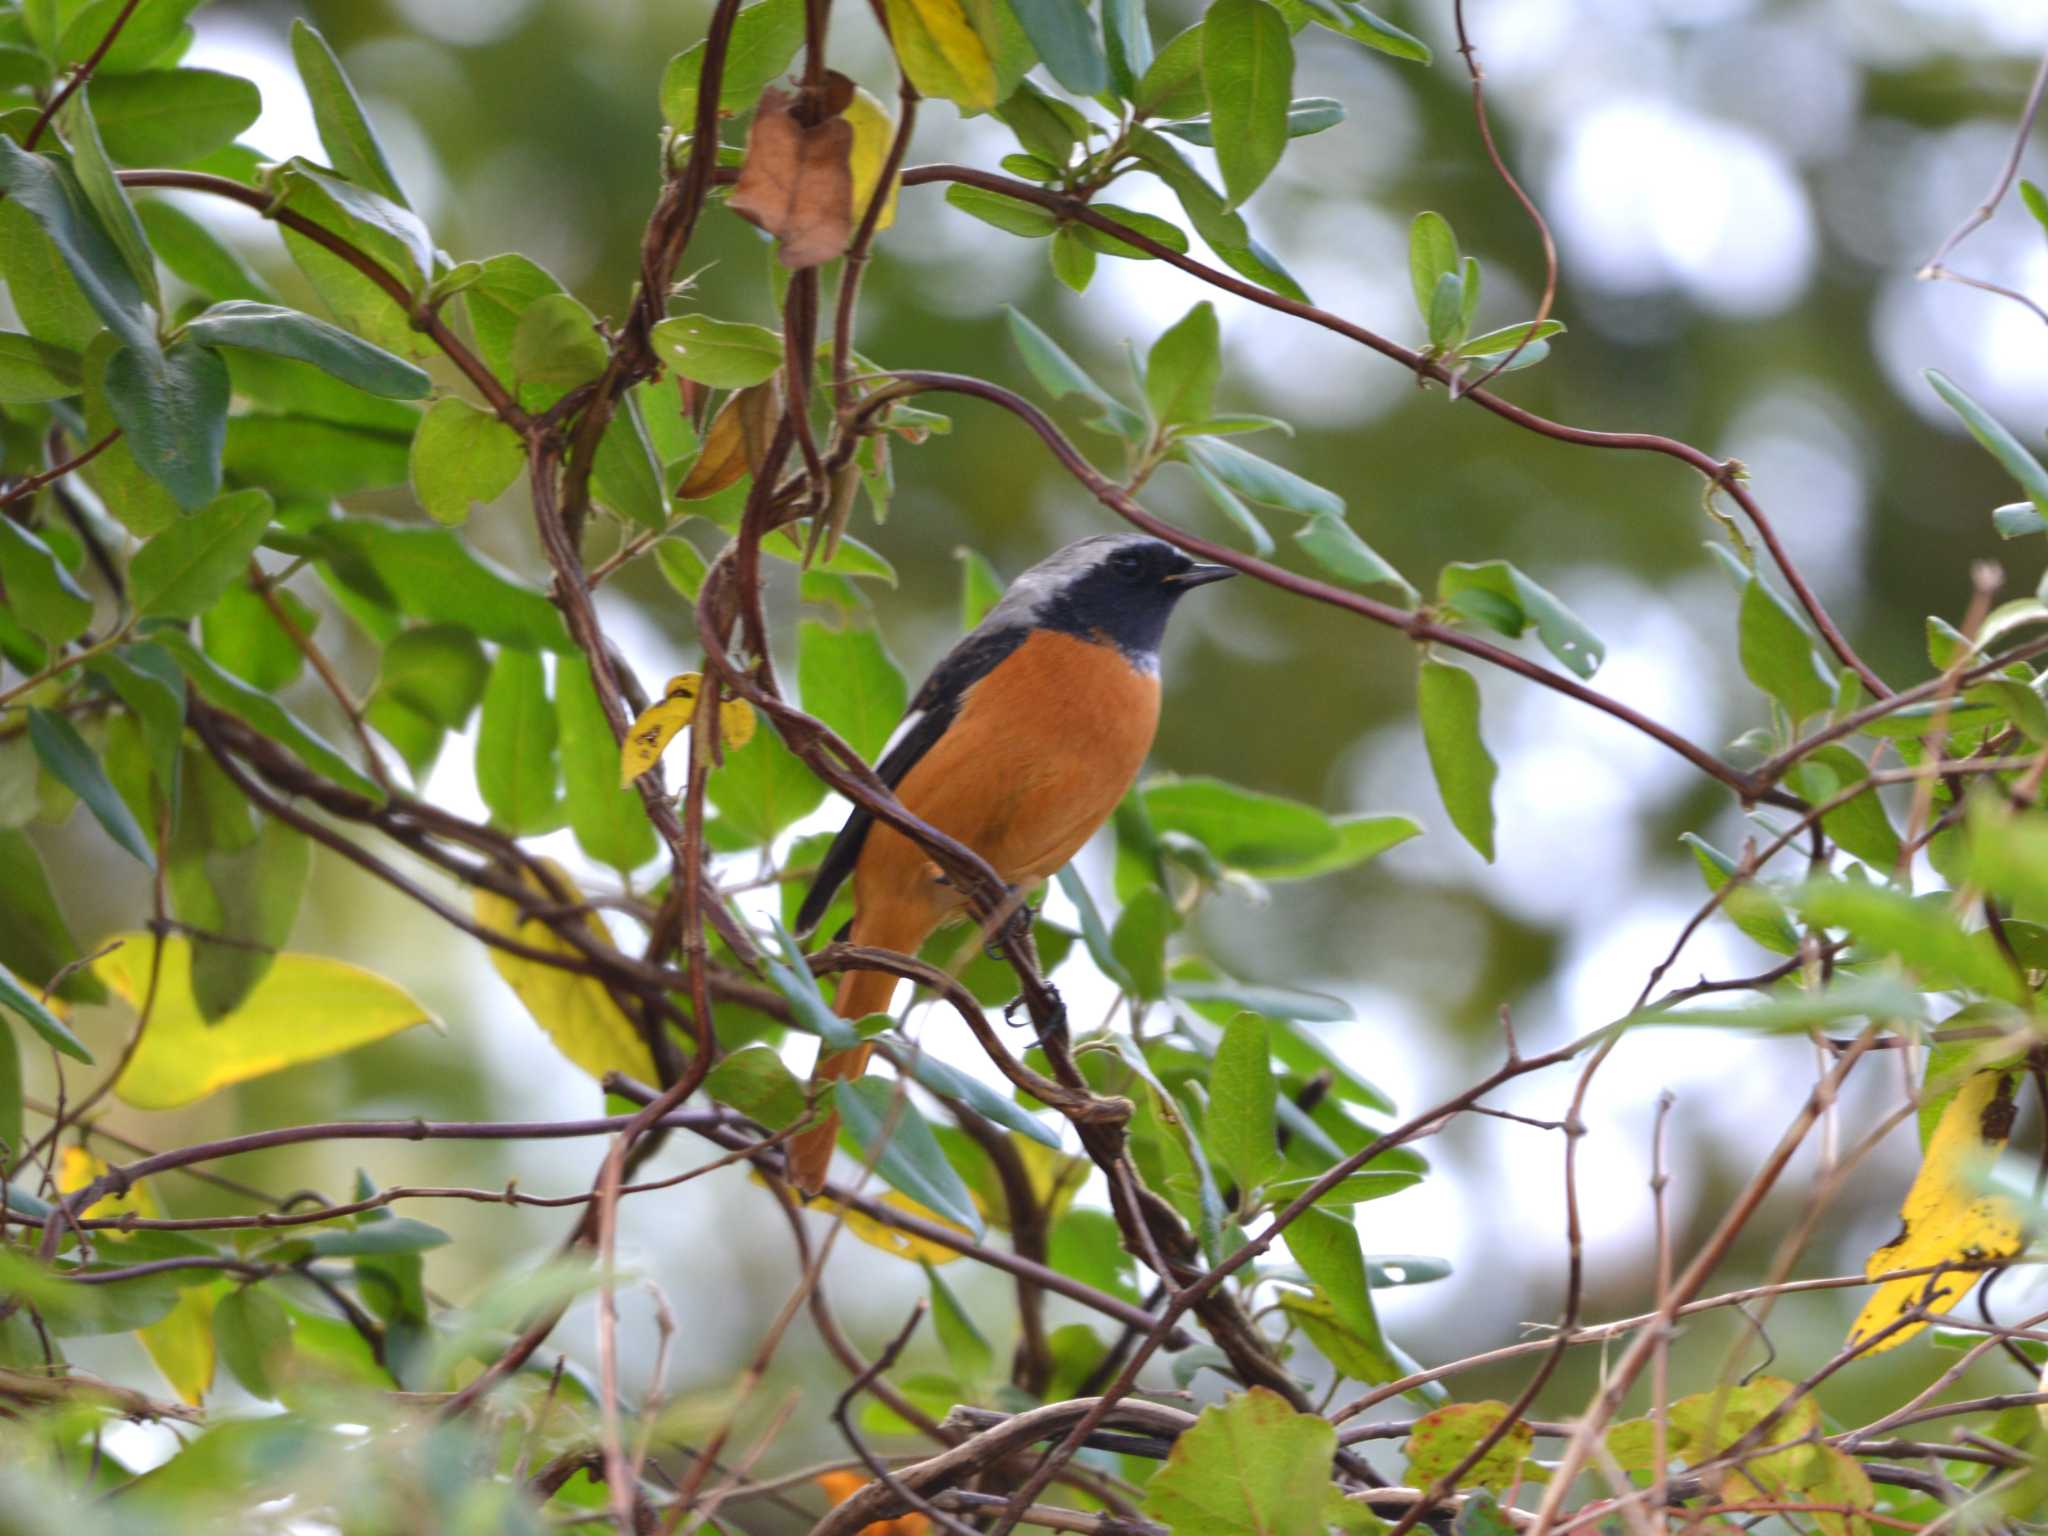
797	182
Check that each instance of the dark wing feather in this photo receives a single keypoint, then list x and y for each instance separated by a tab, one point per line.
937	703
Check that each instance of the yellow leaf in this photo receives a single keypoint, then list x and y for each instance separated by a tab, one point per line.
1947	1215
904	1245
873	132
577	1012
942	53
181	1342
77	1167
660	724
305	1007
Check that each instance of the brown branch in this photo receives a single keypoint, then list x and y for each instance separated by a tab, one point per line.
1718	473
78	77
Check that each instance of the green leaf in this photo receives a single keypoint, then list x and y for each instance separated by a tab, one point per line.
1778	654
181	572
1262	481
1073	257
71	762
1005	213
1447	699
1247	1464
150	31
437	670
391	235
1241	1094
763	789
1334	545
1128	39
756	1083
516	768
1173	87
1064	34
1360	839
171	116
722	353
269	717
33	371
1139	940
682	565
1226	501
105	194
1326	1246
884	1127
1044	125
1751	906
2036	203
345	132
1243	828
1271	1002
172	407
1921	932
1350	19
1163	231
1060	376
967	1352
17	998
980	587
1094	932
1883	998
253	1333
848	680
977	1095
1182	368
39	591
35	941
2001	444
1447	313
1493	343
429	573
1432	255
49	192
10	1091
555	348
1248	75
196	254
1504	598
394	1234
1859	827
462	457
1305	116
609	821
764	39
287	333
1224	231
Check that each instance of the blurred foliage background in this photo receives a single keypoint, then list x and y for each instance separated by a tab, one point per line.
1742	193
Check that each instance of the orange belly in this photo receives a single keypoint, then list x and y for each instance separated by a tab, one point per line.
1041	752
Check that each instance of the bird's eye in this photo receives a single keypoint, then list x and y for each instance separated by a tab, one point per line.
1127	562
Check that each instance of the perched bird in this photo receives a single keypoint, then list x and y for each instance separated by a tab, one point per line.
1019	744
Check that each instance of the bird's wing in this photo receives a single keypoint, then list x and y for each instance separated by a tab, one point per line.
930	716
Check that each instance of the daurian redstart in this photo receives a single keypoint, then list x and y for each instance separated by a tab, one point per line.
1019	744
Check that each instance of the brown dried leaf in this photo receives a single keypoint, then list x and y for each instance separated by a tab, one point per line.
760	411
797	182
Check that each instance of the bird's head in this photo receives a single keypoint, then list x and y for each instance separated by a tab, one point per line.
1115	587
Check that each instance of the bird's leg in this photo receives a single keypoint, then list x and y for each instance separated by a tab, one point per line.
1055	1026
1017	916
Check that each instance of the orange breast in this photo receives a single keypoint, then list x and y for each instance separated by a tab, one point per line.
1041	752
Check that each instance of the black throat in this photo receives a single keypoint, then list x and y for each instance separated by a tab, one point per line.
1108	610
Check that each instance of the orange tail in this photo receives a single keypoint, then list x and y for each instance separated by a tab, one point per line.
810	1152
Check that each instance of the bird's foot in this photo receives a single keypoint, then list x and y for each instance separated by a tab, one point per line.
1015	928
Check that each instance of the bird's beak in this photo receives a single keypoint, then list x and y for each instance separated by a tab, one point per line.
1202	575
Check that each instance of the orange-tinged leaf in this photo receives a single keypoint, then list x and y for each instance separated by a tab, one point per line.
797	182
1948	1215
723	458
1442	1439
305	1008
575	1011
